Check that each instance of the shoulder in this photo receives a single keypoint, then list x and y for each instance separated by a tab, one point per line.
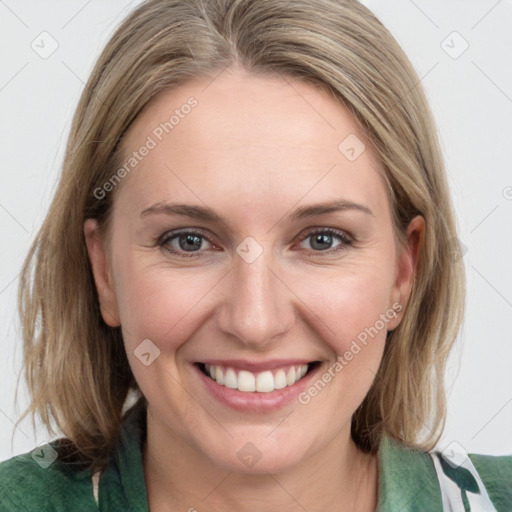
39	480
499	467
407	478
496	474
410	478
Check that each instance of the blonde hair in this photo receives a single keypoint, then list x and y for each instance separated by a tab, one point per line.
76	366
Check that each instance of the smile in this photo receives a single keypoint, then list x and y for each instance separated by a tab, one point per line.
256	387
250	382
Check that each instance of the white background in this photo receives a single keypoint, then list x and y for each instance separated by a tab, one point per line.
471	97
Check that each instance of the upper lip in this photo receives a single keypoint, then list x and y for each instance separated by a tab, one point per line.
256	366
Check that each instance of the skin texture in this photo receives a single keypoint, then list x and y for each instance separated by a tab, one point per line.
254	149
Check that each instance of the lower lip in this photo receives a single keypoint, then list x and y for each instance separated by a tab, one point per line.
254	401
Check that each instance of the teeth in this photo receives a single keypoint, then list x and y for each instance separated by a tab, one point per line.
219	376
263	382
230	380
246	381
290	378
280	380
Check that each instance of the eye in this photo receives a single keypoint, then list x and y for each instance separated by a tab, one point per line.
190	243
322	240
183	242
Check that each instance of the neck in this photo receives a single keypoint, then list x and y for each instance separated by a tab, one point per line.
178	478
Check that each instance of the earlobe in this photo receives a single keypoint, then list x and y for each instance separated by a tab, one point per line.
406	269
102	278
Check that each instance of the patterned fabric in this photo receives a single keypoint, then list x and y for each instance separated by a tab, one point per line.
407	480
462	488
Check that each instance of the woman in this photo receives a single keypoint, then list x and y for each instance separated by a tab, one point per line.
244	292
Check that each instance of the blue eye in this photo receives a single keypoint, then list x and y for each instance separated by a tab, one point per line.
189	243
322	240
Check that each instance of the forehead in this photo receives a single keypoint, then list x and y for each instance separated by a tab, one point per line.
252	138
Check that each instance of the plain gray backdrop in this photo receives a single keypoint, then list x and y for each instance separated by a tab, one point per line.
461	51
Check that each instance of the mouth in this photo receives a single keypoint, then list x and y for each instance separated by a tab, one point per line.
266	381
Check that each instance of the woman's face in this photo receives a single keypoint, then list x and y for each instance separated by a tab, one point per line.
252	238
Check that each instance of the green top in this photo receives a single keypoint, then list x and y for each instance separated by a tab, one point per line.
408	481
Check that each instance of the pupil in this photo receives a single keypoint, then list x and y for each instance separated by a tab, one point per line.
191	242
321	239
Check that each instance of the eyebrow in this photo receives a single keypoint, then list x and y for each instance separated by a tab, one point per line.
205	213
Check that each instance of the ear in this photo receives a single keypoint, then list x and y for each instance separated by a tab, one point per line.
406	267
102	276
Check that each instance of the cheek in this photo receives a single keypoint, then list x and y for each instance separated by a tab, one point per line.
355	310
362	302
158	304
163	306
353	303
352	316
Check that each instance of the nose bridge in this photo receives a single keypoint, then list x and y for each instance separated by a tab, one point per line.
255	309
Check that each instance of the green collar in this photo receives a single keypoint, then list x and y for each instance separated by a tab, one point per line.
407	478
122	484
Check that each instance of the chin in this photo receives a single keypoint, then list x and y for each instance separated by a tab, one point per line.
256	455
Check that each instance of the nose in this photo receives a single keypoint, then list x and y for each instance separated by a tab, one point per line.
257	306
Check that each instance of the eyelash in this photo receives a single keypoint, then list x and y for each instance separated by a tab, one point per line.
345	240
